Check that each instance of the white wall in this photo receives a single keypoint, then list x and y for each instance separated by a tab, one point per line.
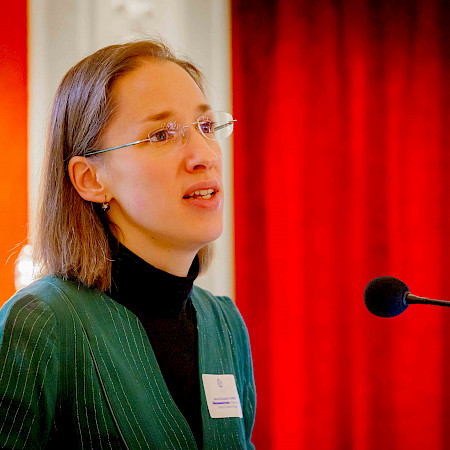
61	32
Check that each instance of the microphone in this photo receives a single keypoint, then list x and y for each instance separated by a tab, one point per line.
389	297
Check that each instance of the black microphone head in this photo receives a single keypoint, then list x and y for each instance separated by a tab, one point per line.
386	296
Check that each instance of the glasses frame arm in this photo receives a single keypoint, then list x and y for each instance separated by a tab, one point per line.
231	122
117	147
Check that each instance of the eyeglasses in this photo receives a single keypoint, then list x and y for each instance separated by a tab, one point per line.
213	125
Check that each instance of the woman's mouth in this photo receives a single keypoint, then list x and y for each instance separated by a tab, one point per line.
204	194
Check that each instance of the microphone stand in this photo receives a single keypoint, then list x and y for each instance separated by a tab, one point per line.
411	299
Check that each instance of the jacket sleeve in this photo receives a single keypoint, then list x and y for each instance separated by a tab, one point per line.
249	407
28	372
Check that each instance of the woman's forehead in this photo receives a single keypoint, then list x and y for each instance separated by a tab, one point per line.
157	86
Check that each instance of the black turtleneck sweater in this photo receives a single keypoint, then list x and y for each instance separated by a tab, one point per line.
162	302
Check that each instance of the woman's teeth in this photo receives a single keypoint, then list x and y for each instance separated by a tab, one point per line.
204	193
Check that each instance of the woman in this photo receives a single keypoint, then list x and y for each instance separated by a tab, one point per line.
114	347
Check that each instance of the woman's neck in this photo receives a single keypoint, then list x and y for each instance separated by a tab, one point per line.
145	289
171	260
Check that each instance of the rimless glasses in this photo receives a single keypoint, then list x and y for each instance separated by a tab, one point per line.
213	125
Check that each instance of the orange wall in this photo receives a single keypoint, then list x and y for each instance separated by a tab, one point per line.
13	139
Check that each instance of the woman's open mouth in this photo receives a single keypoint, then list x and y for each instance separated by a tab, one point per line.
204	194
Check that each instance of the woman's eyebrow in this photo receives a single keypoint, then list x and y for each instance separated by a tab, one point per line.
166	114
204	107
158	116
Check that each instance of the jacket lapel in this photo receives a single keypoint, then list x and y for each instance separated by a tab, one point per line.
216	356
136	393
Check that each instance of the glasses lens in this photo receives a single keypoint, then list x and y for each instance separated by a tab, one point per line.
169	133
216	125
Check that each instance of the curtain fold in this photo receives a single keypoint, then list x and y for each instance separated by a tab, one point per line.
13	140
341	174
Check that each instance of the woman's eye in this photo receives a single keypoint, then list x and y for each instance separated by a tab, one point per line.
163	135
207	127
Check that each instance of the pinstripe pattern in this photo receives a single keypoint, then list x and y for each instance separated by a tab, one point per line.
77	371
225	349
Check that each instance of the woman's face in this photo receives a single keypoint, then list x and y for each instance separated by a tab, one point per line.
150	186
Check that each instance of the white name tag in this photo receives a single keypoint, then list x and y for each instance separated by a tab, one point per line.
222	396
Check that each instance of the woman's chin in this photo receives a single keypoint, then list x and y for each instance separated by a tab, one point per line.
208	235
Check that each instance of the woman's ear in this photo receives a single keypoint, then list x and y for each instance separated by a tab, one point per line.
86	179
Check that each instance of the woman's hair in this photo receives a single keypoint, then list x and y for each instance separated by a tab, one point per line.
72	236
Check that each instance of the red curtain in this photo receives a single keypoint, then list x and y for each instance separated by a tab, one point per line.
13	139
342	157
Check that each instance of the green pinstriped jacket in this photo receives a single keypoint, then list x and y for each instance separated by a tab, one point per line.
77	371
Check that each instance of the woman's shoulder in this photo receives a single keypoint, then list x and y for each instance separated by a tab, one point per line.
213	306
45	299
40	292
207	299
27	310
67	305
46	290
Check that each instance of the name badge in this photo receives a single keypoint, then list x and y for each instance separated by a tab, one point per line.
222	396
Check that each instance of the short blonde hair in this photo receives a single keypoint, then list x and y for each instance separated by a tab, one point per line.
72	237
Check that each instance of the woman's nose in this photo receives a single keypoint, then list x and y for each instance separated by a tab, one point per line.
202	154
